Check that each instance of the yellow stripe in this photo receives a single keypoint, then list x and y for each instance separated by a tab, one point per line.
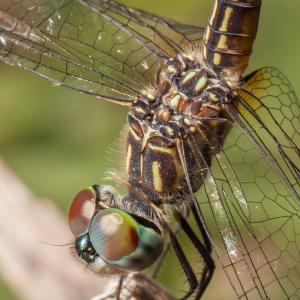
170	151
170	131
207	34
188	77
174	102
214	13
136	137
157	181
205	52
222	44
138	109
217	59
128	157
200	84
226	20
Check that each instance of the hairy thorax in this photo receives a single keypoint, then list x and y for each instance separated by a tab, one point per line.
188	107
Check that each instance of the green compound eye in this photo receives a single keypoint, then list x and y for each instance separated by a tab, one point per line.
122	242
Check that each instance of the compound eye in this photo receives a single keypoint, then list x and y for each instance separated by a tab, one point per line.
81	211
121	241
113	234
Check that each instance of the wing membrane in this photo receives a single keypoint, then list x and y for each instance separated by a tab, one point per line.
97	47
250	199
254	219
40	55
166	35
268	107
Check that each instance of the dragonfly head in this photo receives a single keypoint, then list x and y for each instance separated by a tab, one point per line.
107	237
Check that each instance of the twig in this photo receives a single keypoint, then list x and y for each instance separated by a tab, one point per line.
33	269
136	286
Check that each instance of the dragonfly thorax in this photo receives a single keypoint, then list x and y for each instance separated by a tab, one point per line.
189	106
187	80
187	93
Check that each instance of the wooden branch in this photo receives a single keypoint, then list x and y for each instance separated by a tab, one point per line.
36	270
33	269
136	286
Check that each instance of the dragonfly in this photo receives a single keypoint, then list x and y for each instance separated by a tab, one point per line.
204	142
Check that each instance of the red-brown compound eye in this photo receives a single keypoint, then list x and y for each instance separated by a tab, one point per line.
81	211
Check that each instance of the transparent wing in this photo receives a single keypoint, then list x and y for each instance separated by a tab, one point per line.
253	219
250	199
268	107
169	36
97	47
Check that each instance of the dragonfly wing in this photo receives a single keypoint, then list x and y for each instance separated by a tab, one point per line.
167	36
253	219
250	199
96	47
269	108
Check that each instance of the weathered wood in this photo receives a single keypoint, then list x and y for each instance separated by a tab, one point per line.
33	269
135	287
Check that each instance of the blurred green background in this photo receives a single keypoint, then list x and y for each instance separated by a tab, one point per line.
58	141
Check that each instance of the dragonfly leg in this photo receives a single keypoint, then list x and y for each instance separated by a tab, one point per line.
119	288
208	246
161	259
191	277
204	249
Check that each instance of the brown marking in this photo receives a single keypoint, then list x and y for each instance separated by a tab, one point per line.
195	108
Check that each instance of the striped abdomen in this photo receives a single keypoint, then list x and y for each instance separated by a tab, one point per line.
230	35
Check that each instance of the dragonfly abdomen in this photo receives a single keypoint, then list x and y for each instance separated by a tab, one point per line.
229	36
